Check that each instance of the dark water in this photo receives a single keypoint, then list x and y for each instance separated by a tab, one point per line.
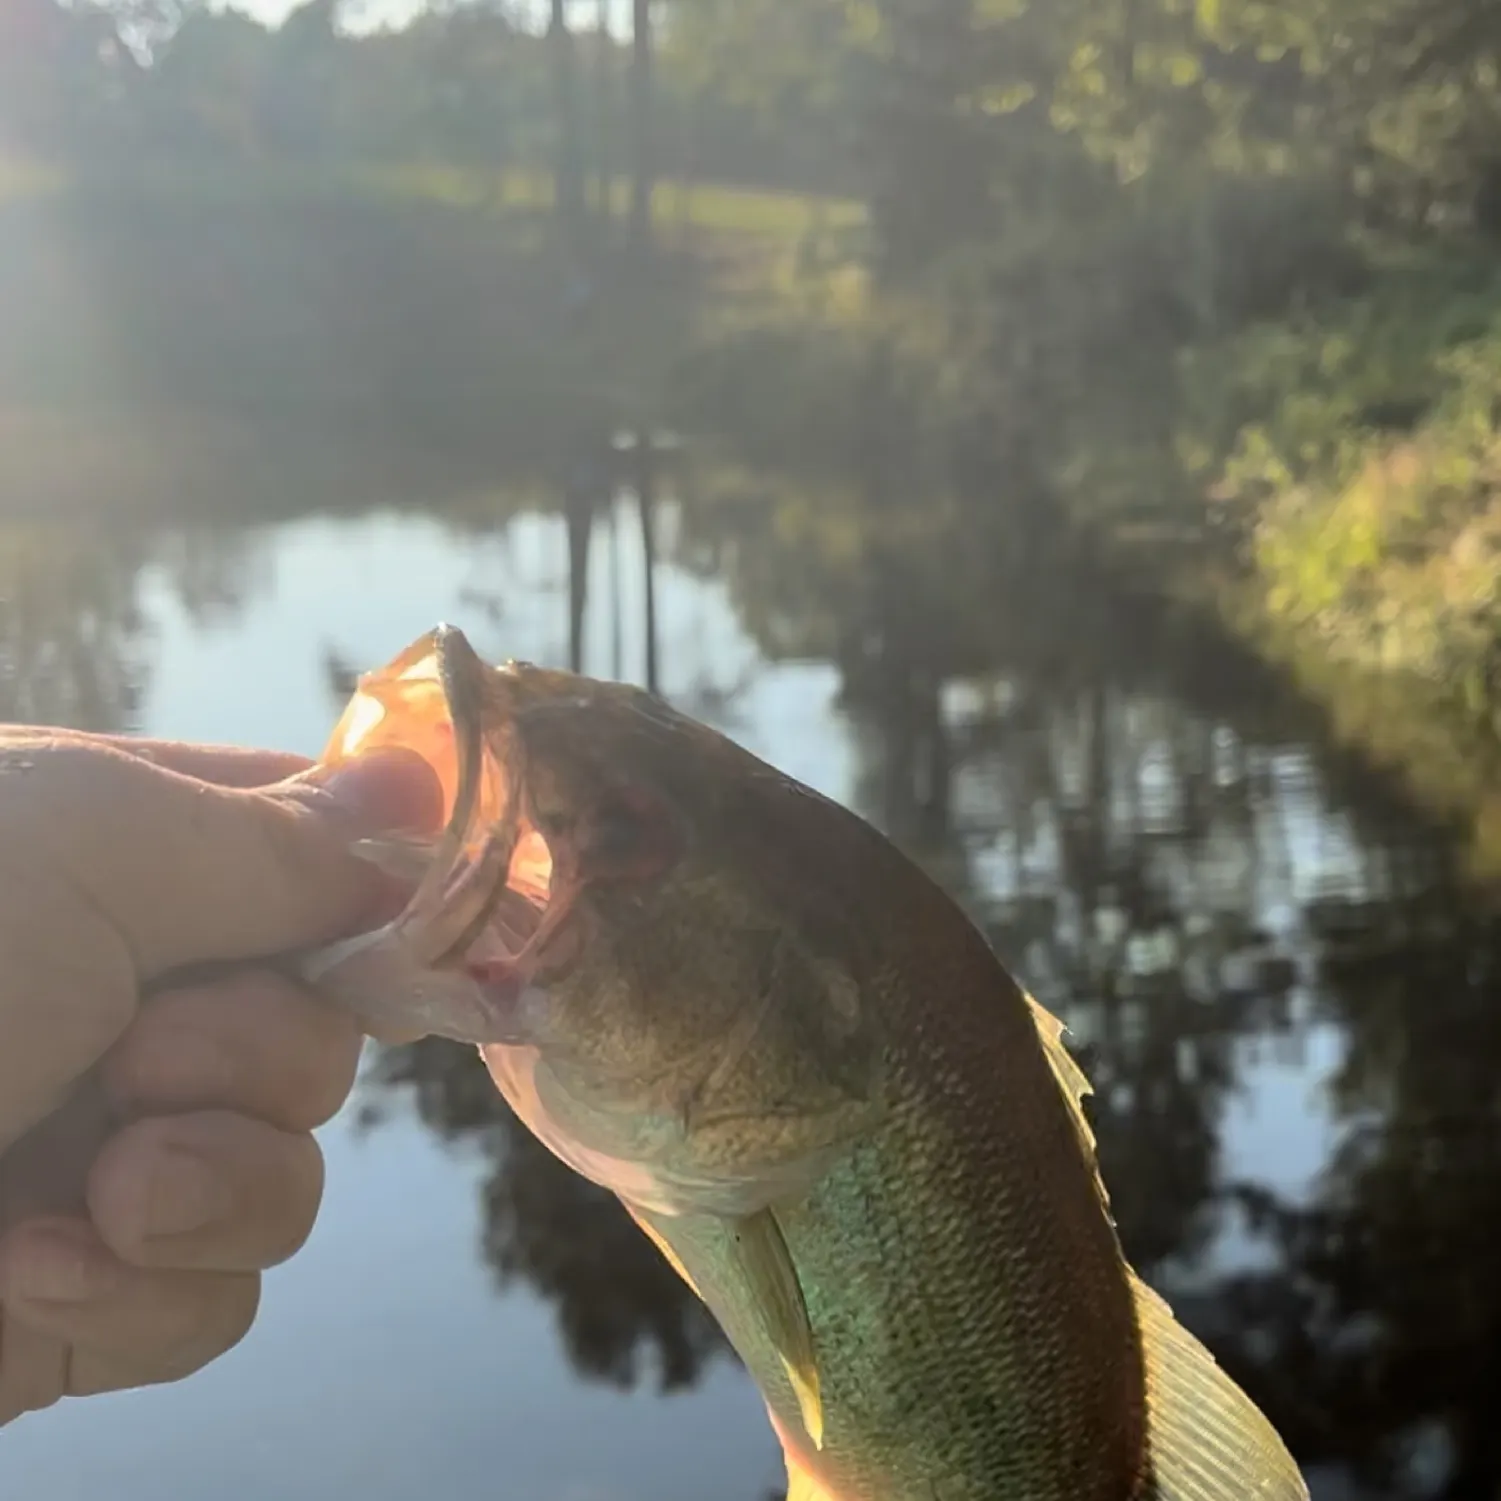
1285	999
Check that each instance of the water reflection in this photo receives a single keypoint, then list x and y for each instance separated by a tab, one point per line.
1283	992
1236	922
1384	1306
622	1314
72	647
75	642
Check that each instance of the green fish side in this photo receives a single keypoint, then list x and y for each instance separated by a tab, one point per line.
974	1328
864	1144
972	1322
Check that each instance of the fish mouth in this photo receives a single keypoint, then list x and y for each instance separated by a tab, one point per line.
489	924
492	896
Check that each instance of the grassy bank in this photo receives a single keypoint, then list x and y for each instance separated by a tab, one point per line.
1448	758
1330	489
701	212
1367	482
419	308
1366	489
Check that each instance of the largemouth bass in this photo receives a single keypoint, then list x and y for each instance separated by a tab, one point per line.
740	1008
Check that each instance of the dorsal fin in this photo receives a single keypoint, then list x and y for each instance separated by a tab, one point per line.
1073	1084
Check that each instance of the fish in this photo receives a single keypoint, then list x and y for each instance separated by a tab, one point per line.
809	1079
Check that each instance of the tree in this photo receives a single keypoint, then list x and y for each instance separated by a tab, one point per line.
643	148
66	78
568	173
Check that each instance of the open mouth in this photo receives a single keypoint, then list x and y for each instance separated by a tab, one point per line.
490	924
488	902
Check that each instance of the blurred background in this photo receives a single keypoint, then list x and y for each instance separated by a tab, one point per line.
1065	431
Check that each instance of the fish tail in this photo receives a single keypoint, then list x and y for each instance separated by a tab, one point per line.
1206	1440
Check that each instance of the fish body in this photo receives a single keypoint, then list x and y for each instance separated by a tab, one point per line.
802	1069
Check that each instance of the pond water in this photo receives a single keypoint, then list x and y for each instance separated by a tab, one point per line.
1281	991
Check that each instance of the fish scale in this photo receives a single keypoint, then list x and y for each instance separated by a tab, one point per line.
981	1376
816	1088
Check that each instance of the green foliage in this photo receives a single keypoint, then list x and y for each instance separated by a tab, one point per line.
95	81
1188	269
1150	269
330	305
1369	488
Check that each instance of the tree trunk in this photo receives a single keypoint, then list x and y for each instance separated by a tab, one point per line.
617	624
578	510
568	178
604	100
643	155
646	499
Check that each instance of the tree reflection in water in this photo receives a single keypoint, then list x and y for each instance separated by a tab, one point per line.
1385	1304
618	1303
71	631
75	639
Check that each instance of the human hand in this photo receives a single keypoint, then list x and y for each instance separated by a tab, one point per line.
156	1156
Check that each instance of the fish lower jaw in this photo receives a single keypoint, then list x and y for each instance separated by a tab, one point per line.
461	959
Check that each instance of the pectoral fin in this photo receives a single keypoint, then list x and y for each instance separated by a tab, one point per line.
766	1265
1207	1441
659	1240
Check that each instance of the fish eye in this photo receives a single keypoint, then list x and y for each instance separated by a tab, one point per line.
616	833
630	836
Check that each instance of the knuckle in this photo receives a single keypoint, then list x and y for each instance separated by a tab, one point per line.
65	964
290	833
64	775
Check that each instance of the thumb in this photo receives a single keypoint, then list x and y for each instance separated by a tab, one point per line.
114	870
187	871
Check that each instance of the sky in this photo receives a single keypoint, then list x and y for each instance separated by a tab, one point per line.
363	14
366	15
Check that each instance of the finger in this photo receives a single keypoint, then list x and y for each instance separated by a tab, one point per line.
190	872
33	1368
67	988
254	1043
224	765
119	1326
206	1192
45	1170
